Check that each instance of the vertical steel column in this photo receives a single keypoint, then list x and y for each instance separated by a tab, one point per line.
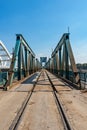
57	63
20	63
60	61
66	63
33	64
26	61
29	58
63	62
23	63
52	64
30	63
36	65
49	64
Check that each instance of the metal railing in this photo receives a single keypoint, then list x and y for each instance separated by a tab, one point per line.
83	79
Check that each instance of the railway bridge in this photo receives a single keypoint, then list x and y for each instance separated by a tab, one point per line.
38	97
23	62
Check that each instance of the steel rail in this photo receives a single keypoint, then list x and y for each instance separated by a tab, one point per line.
66	122
16	120
72	85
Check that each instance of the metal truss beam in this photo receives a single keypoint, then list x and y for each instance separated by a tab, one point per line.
5	56
19	36
63	62
23	61
61	42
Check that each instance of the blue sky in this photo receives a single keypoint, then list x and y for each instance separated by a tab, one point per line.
42	23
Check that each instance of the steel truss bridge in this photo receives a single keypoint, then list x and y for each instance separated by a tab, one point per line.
23	62
62	62
5	56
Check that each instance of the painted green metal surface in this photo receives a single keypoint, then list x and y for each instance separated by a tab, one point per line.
63	62
23	61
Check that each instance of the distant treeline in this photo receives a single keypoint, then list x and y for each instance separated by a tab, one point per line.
82	66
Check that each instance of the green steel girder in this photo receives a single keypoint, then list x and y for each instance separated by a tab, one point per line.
23	61
62	59
61	42
25	44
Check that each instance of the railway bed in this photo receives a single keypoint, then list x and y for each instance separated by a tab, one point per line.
33	105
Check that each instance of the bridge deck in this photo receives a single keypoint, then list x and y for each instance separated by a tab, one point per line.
41	112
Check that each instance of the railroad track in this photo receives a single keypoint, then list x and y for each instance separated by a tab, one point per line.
64	118
21	110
